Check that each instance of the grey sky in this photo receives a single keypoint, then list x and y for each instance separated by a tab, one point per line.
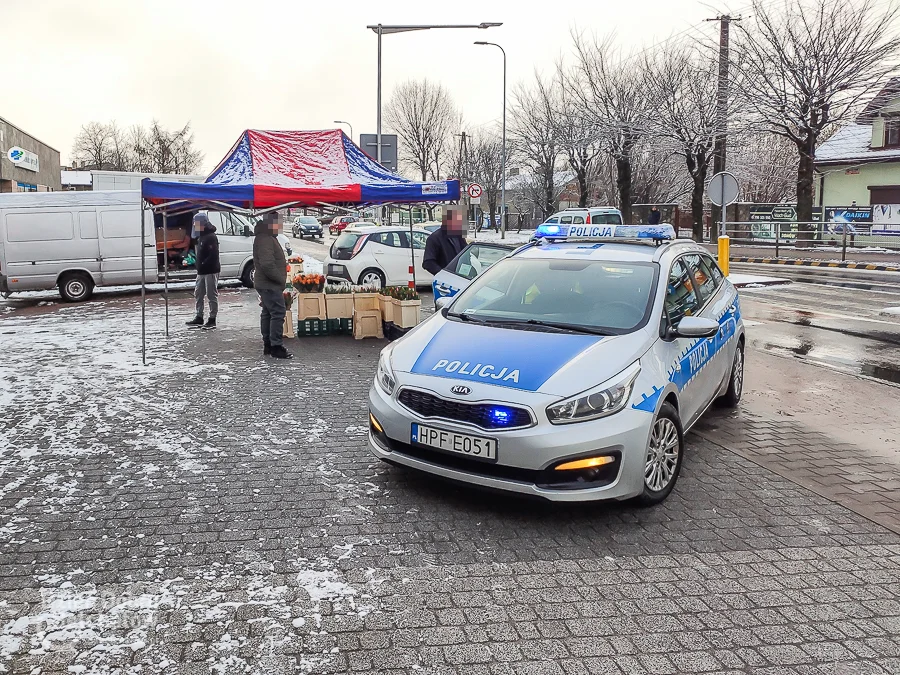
279	64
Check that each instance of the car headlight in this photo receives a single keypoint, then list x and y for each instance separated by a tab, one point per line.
385	375
601	401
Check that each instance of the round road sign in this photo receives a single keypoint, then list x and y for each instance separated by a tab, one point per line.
474	190
722	189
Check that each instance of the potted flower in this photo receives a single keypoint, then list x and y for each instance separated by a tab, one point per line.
408	308
295	265
339	301
310	298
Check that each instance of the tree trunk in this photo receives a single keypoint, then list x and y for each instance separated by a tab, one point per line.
623	184
581	174
548	196
805	229
698	166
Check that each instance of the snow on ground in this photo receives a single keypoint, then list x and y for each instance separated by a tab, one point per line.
890	311
512	237
755	280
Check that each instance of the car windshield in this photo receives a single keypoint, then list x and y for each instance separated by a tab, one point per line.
307	220
594	296
347	240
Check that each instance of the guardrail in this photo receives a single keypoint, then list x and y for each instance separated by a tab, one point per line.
842	238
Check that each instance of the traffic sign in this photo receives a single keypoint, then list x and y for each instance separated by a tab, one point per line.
722	189
474	190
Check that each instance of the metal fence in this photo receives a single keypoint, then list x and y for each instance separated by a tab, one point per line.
824	239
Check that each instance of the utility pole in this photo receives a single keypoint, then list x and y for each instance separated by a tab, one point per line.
720	147
464	170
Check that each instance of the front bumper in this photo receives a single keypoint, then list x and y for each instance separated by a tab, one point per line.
525	456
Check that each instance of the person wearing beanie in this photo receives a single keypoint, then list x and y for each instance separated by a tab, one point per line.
208	268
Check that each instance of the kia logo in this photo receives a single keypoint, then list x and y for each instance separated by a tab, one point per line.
461	390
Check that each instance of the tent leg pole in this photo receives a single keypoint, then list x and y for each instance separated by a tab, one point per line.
412	249
143	283
166	264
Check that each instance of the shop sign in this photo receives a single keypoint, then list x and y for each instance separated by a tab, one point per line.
23	159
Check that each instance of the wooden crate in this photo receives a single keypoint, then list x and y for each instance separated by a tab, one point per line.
367	323
288	330
365	302
339	305
386	304
296	268
310	306
407	313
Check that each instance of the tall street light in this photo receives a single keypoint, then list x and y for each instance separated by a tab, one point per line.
503	160
348	124
380	30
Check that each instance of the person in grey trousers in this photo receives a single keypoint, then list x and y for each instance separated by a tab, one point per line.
208	268
270	278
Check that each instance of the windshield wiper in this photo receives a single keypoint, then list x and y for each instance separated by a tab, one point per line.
557	325
465	317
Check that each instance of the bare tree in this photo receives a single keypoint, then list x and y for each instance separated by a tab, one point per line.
92	147
683	86
424	117
767	165
806	66
487	167
577	135
534	135
612	89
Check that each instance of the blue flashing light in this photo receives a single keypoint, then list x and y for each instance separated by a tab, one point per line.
500	416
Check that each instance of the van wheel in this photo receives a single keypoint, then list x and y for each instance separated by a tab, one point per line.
76	287
372	277
662	462
248	276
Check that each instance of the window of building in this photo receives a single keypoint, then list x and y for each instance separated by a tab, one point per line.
892	132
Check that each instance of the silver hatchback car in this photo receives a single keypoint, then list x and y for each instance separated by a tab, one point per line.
569	370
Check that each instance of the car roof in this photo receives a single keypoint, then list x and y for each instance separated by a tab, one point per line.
621	251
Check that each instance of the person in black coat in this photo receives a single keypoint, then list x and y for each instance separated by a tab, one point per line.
655	216
444	245
208	268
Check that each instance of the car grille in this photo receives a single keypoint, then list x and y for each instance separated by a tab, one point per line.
479	414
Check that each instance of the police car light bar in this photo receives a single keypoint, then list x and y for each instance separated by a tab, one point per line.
576	232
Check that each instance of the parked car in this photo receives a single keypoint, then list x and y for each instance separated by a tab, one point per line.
308	226
430	225
473	260
378	256
593	215
567	371
340	223
76	241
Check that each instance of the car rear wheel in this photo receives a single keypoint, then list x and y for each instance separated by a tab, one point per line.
248	276
76	287
372	277
662	462
732	396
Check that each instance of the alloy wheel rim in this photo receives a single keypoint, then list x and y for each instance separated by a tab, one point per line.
738	372
372	279
662	455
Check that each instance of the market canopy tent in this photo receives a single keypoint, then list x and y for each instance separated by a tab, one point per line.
271	169
268	170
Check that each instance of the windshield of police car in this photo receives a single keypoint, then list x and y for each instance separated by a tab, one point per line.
601	295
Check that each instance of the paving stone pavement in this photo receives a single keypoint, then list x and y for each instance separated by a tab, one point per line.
219	513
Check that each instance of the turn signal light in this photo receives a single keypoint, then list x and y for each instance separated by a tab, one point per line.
375	425
589	463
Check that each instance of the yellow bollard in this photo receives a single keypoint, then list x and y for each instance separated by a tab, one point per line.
724	251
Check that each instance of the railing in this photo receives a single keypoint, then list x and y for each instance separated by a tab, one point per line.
813	239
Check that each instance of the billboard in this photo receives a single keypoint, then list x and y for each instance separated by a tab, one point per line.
886	219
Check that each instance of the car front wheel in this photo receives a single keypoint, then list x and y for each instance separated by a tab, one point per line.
732	395
662	462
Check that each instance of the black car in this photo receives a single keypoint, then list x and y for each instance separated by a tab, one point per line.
307	226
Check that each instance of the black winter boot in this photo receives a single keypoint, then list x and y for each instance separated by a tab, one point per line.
267	348
279	352
210	323
196	322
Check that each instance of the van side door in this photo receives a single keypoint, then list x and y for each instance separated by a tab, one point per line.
119	231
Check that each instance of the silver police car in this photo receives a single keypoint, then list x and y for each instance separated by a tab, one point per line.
569	370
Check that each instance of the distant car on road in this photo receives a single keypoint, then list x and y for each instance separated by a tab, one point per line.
308	226
340	223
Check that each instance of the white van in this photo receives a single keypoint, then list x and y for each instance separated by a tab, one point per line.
595	215
75	241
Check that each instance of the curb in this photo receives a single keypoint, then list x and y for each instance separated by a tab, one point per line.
817	263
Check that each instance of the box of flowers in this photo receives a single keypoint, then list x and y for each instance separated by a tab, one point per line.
339	301
310	298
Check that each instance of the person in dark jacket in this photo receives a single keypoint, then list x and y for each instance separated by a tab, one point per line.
444	245
655	216
270	278
208	268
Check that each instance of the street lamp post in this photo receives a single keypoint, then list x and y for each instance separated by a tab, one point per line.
380	30
348	124
503	159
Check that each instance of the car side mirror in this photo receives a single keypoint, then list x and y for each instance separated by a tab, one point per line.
696	327
441	303
247	231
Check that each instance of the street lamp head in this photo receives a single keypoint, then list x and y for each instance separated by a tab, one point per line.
488	24
481	42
